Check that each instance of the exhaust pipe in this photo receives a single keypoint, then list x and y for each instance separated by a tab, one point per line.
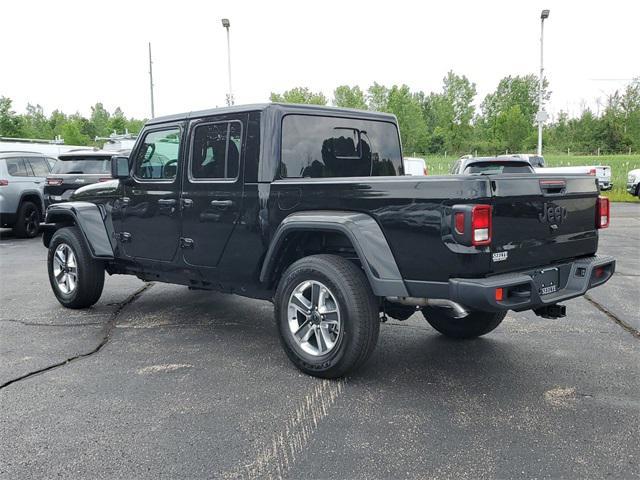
456	310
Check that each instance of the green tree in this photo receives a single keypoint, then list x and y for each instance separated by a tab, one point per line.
513	127
117	122
349	97
100	118
36	124
10	122
378	97
405	106
299	95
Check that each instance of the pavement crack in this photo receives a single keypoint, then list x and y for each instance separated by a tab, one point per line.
613	317
108	328
36	324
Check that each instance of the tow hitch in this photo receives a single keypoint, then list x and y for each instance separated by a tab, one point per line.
551	311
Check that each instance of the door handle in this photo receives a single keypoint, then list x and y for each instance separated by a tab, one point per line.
167	202
221	203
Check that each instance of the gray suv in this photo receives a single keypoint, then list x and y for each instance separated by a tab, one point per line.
22	178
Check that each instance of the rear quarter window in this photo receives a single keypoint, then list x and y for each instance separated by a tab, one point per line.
320	147
16	167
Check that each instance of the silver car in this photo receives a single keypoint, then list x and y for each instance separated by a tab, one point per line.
22	178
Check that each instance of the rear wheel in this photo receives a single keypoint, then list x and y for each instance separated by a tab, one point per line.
27	220
76	278
638	190
326	315
473	325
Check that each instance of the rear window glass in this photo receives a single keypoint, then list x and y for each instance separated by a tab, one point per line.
498	167
16	167
83	165
320	147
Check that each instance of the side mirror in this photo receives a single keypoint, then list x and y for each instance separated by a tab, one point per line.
120	167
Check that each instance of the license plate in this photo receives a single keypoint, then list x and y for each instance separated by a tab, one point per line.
546	281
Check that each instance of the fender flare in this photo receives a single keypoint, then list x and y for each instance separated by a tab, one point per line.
32	193
88	217
365	235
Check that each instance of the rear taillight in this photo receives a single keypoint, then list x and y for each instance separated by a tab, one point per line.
481	225
602	212
592	171
105	179
3	182
54	181
459	223
425	170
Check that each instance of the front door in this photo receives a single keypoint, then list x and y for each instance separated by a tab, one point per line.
212	188
151	212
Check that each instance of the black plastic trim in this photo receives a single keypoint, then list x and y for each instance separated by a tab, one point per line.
366	237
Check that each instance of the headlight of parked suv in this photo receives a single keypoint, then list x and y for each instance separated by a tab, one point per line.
631	179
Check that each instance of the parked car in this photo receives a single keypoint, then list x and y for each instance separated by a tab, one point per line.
633	182
308	207
469	165
602	173
534	160
75	169
415	166
22	176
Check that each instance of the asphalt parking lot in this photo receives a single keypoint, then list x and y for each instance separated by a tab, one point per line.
159	381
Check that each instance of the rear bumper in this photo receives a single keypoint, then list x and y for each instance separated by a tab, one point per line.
520	291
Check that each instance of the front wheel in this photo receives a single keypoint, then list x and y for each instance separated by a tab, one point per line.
327	316
76	278
473	325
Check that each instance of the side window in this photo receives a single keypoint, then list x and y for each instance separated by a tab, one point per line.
216	151
157	158
320	147
17	168
39	166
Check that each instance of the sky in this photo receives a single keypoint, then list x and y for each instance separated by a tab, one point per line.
68	55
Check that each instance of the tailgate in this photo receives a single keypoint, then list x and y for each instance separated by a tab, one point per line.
69	183
540	219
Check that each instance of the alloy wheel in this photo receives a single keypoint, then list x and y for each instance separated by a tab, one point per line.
65	268
314	318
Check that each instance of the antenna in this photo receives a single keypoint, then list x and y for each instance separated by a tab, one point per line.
153	113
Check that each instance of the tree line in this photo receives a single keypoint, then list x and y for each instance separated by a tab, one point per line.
434	123
75	129
448	120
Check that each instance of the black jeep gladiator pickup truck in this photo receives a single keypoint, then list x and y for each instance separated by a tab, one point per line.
309	207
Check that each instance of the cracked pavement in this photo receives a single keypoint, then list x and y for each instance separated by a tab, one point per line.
168	382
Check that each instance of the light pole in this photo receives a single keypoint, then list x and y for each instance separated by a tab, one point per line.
226	24
153	111
541	116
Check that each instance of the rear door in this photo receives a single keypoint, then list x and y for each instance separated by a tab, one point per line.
212	187
538	220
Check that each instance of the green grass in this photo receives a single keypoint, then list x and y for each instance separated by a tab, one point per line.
620	166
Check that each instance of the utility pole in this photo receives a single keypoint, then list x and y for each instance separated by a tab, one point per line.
226	24
541	115
153	112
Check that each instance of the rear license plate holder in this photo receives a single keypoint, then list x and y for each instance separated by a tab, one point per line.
546	281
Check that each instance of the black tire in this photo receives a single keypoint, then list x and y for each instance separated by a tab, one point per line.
357	307
638	190
89	272
473	325
27	220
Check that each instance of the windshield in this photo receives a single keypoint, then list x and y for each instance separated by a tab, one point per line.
83	165
487	168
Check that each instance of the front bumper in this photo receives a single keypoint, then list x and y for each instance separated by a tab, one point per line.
520	291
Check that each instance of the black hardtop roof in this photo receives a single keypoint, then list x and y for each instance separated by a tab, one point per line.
284	108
